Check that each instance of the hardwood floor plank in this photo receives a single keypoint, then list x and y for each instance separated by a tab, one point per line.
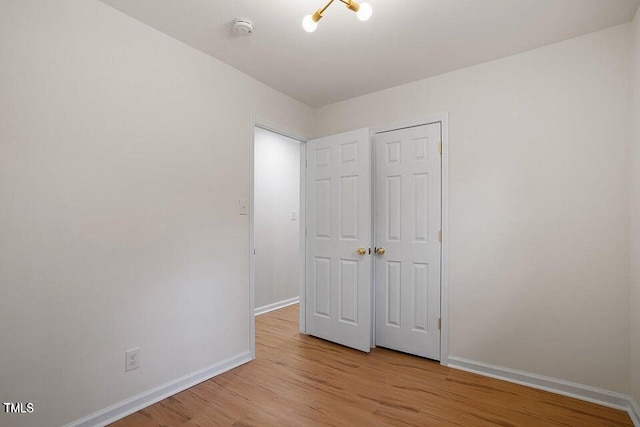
297	380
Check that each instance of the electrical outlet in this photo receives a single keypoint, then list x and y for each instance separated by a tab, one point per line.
132	359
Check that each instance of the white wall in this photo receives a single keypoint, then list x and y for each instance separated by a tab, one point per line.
276	194
123	154
539	206
635	216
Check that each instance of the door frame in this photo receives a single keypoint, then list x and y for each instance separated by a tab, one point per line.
256	121
443	119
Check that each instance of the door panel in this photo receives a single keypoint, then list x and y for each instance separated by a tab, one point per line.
338	223
408	221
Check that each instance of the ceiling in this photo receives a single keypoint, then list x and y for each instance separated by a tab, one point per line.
404	41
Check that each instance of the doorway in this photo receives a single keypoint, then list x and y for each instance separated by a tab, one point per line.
276	217
284	212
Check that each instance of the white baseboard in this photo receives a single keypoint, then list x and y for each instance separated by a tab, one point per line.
276	305
566	388
634	412
149	397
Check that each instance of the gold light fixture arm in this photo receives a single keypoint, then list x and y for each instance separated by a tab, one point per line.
317	15
351	5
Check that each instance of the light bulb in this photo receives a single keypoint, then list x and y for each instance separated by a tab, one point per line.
309	24
365	12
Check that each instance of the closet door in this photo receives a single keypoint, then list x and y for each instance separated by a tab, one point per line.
408	210
338	264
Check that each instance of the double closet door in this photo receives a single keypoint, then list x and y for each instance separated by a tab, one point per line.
373	250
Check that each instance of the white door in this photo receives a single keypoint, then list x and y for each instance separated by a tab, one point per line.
338	206
407	234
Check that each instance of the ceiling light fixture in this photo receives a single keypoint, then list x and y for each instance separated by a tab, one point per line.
363	12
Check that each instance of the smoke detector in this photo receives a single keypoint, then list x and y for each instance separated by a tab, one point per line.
242	27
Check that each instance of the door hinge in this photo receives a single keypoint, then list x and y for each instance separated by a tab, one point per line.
440	148
369	251
439	323
440	236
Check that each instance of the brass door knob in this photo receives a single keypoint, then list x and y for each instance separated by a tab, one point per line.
380	251
361	251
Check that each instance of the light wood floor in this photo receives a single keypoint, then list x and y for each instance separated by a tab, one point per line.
298	380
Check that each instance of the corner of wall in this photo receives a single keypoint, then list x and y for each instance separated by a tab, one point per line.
634	240
316	120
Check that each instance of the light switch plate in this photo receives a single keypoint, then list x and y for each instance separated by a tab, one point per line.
243	207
